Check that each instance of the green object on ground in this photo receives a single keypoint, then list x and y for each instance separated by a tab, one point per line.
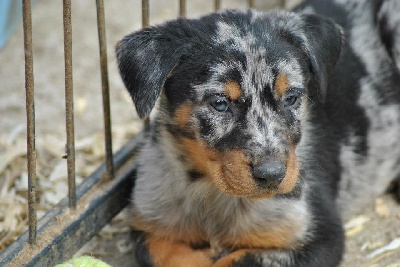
83	261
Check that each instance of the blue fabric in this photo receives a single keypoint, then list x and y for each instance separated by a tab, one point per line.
10	17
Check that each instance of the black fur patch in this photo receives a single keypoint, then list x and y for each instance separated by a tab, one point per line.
195	175
249	260
141	251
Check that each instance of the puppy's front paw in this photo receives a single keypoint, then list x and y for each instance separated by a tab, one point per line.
164	253
255	258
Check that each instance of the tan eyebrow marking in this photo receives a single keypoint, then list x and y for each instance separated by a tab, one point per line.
281	84
232	90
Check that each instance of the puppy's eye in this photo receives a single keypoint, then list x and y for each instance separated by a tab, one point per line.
293	98
220	104
290	101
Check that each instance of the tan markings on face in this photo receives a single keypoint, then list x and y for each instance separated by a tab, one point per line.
232	175
166	253
230	171
199	154
281	84
233	257
182	115
232	90
292	172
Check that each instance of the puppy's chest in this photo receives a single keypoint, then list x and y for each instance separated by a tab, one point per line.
220	220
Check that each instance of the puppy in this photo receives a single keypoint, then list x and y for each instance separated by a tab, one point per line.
271	127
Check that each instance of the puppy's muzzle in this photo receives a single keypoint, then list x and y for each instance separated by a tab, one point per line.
268	174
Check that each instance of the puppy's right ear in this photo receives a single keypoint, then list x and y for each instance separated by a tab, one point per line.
145	59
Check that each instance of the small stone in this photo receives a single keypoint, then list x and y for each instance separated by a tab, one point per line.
381	208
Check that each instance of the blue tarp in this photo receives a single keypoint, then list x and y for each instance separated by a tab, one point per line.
10	17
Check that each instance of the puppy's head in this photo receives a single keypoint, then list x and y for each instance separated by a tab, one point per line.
234	87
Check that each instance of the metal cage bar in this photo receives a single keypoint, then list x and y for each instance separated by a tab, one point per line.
105	88
217	5
145	13
145	23
250	3
30	117
69	103
182	8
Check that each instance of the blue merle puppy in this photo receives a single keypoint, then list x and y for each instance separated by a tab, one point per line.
271	128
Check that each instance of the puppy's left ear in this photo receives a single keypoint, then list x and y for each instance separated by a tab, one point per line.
145	59
323	43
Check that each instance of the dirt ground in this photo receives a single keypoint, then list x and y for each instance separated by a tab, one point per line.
373	235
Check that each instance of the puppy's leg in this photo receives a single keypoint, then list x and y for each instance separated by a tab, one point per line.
155	252
242	257
323	247
307	256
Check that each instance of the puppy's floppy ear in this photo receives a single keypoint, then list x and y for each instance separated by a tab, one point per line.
323	44
145	58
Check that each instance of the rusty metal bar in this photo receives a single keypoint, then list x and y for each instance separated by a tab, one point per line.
30	117
69	103
182	8
250	3
145	23
217	5
145	13
105	88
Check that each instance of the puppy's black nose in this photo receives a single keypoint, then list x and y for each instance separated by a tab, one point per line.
269	173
